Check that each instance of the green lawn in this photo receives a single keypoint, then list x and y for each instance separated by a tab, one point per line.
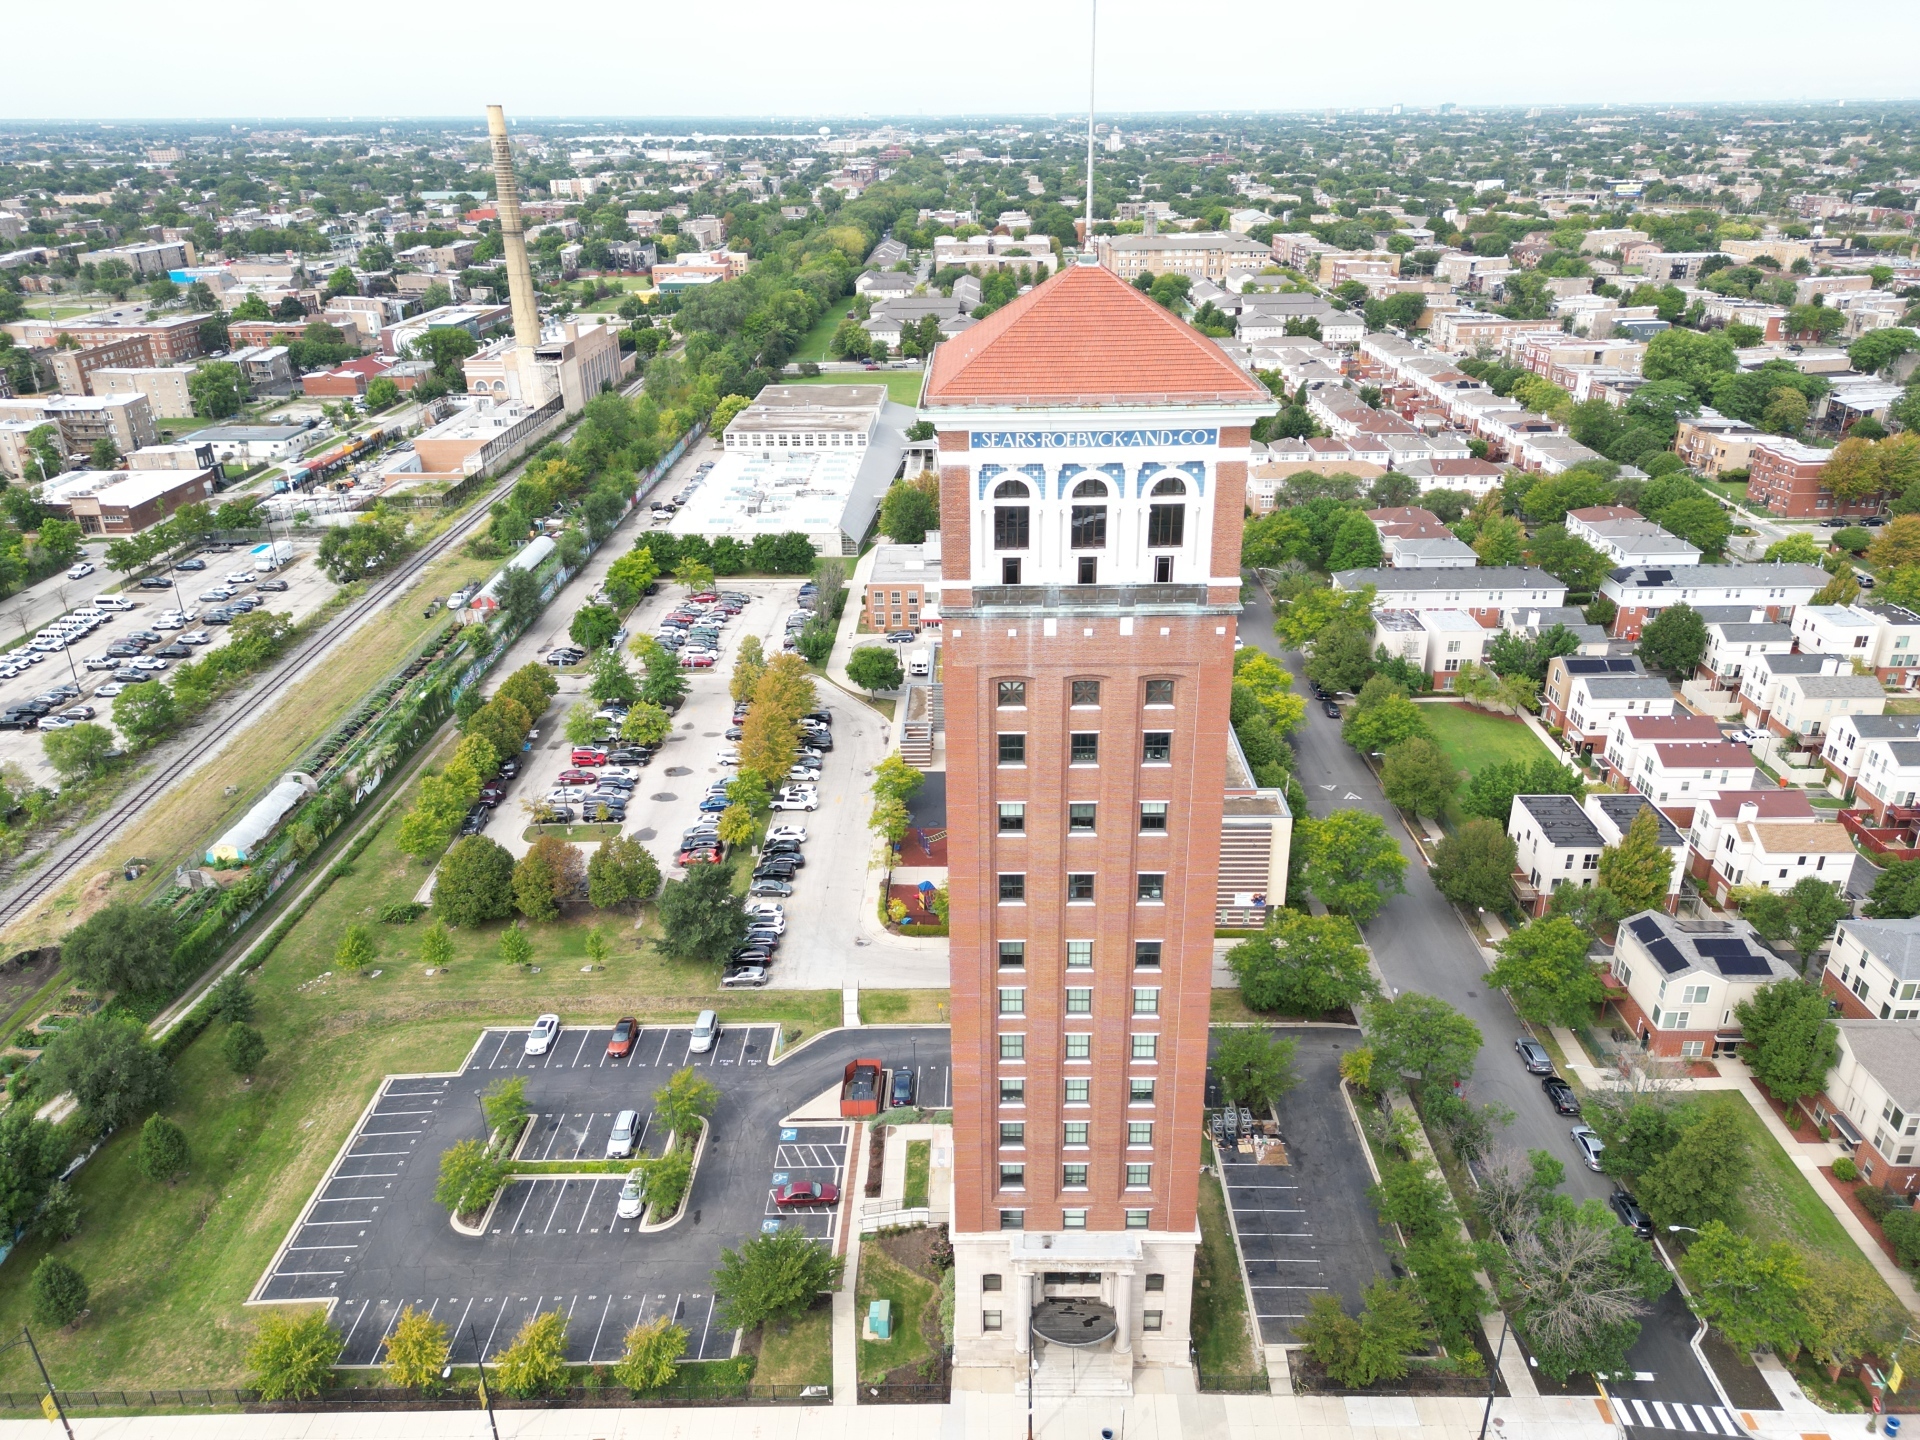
801	1354
171	1265
884	1278
919	1173
902	385
1220	1335
1779	1203
813	345
1473	739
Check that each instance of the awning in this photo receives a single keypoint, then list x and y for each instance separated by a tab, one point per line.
1849	1135
1075	1323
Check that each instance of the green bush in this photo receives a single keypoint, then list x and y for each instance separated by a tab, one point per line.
1845	1171
1902	1227
402	912
58	1293
1875	1201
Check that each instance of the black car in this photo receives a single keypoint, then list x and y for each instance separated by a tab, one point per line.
278	587
819	717
1561	1094
476	820
156	582
175	651
141	637
600	810
124	650
766	939
1330	710
627	755
793	859
732	732
773	872
1534	1056
196	563
1631	1215
901	1092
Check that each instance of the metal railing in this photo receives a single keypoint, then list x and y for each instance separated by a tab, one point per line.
462	1398
885	1214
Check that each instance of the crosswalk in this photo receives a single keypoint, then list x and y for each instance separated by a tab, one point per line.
1678	1415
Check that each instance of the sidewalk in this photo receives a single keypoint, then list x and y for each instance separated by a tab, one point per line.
971	1413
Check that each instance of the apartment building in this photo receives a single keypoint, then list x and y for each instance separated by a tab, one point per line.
1678	981
1871	1100
1883	637
1800	694
1712	443
1558	842
1482	593
166	387
1199	255
1784	475
1626	538
1732	646
1438	642
1634	735
902	582
1887	779
126	420
1847	734
1087	669
1640	592
73	369
1873	970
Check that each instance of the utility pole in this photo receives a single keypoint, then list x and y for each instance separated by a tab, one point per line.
53	1396
1093	37
480	1364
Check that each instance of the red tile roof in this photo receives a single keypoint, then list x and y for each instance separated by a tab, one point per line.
1604	512
1085	335
1772	804
1673	727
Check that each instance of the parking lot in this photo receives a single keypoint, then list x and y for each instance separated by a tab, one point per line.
1307	1228
39	671
372	1240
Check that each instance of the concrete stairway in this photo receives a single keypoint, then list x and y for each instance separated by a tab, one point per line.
1064	1372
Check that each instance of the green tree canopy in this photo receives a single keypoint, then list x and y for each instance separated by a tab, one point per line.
700	917
1674	640
1351	864
1544	967
475	883
123	947
1303	965
1415	1033
774	1278
1418	777
1789	1038
1474	865
111	1067
1639	869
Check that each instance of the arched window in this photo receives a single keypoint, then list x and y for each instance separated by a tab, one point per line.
1010	490
1169	486
1090	490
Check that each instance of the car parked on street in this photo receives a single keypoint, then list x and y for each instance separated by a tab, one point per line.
1561	1095
1622	1203
1588	1142
1534	1056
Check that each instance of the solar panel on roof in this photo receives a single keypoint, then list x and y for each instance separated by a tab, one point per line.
1748	964
1659	577
1646	928
1669	956
1722	949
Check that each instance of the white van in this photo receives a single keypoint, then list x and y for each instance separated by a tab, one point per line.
920	662
111	602
706	1030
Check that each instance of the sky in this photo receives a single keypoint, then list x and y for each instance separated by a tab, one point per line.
831	58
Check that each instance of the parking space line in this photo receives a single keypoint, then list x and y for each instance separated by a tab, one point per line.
460	1329
665	1035
579	1049
497	1049
594	1351
488	1345
532	1185
592	1191
559	1195
707	1326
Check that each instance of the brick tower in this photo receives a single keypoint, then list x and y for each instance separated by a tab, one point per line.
1093	460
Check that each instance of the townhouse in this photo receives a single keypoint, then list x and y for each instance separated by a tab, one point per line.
1556	692
1439	642
1733	645
1598	697
1711	442
1684	773
1627	539
1714	818
1888	779
1873	970
1482	593
1633	735
1532	622
1558	842
1848	736
1871	1101
1414	539
1757	853
1801	694
1641	592
1878	634
1677	982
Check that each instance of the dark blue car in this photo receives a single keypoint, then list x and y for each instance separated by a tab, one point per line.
713	804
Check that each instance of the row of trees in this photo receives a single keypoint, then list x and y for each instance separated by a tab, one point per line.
492	733
147	712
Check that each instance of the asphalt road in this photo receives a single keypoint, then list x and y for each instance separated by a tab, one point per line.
1421	944
373	1240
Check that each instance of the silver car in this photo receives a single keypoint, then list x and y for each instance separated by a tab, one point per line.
1588	1142
633	1196
626	1132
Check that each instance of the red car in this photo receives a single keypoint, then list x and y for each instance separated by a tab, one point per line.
588	755
702	856
575	777
705	597
696	662
808	1192
621	1045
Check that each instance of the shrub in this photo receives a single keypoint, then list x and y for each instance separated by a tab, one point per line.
668	1178
653	1352
416	1350
1875	1201
162	1155
402	912
470	1176
1902	1227
243	1048
293	1357
1845	1171
536	1362
58	1293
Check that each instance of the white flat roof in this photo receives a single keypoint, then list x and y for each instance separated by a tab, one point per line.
769	492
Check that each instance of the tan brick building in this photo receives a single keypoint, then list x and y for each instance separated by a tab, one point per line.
1093	455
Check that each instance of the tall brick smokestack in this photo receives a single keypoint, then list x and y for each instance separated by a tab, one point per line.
513	235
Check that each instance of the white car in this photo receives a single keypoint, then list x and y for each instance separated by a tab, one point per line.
98	662
170	622
785	801
788	832
108	691
55	722
241	578
728	756
706	1030
111	602
541	1037
51	643
148	662
626	1132
633	1196
80	571
196	637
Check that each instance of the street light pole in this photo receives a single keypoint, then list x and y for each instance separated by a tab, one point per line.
480	1364
1493	1374
59	1410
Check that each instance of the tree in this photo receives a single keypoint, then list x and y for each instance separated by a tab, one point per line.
1544	968
446	348
79	750
1351	863
1356	545
368	546
1701	1175
1897	544
1490	791
628	577
1803	917
231	998
1848	1316
292	1357
475	883
621	872
1790	1040
551	871
875	668
1674	640
1568	558
1638	1133
416	1350
774	1278
162	1155
1392	1325
1799	548
1384	723
651	1356
382	393
536	1362
1303	965
1255	1068
700	917
57	1294
470	1176
910	509
123	947
243	1048
31	1154
1423	1035
1637	871
646	724
1578	1283
1474	865
1896	892
144	712
216	390
685	1101
515	948
111	1067
1417	777
1501	541
355	951
594	626
1691	357
1753	1294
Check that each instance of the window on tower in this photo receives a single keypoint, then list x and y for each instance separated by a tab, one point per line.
1087	524
1011	523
